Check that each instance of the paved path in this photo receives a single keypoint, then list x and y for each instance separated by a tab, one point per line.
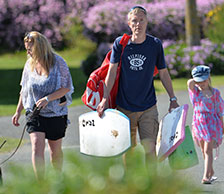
72	140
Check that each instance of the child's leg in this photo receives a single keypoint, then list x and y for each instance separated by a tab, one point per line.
208	156
212	172
202	143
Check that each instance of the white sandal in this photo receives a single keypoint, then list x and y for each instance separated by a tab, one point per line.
213	178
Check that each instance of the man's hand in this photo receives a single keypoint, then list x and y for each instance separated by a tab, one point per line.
173	105
103	105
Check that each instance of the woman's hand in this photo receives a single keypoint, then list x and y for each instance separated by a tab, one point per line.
16	116
15	119
42	103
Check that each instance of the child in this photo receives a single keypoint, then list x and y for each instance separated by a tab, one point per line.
207	126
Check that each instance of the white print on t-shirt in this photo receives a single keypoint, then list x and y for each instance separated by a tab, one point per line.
136	61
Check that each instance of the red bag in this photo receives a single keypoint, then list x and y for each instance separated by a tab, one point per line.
95	84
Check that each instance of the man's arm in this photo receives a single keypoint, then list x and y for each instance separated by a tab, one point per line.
109	82
167	84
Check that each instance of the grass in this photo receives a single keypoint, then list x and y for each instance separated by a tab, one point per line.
81	171
11	65
10	144
84	174
180	84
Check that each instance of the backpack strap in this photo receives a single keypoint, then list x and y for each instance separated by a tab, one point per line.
124	40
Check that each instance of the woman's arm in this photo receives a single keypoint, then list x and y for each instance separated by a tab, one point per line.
16	116
53	96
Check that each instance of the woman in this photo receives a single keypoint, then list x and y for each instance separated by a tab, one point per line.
45	80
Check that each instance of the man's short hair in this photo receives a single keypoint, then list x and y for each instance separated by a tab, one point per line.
135	10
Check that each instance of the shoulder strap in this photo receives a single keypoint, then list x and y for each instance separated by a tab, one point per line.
124	40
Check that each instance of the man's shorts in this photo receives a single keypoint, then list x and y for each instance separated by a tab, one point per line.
53	127
146	122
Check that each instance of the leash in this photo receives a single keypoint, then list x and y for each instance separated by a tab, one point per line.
2	144
34	113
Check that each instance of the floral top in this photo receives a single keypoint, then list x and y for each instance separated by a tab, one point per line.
35	86
207	124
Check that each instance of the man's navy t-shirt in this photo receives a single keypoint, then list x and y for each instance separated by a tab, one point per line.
136	90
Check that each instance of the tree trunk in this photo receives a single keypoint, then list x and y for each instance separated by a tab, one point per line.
191	23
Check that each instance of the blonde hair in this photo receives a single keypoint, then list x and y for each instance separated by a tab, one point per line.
210	84
136	10
42	51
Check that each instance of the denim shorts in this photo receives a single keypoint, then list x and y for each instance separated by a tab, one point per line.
53	127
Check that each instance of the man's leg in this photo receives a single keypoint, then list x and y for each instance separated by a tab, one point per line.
150	156
148	131
127	157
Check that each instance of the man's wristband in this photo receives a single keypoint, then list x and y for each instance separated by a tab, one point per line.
173	99
47	99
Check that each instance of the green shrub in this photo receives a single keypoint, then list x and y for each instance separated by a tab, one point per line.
72	32
89	175
215	28
89	64
181	59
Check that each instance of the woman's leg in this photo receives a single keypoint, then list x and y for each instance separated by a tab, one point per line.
38	145
56	154
208	149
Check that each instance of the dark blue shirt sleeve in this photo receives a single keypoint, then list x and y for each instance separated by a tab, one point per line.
161	64
116	51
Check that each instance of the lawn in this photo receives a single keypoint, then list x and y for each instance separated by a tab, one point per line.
9	145
180	84
11	65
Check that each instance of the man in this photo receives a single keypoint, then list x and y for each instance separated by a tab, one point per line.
136	94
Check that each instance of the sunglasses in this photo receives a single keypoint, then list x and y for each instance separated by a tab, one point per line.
28	37
139	7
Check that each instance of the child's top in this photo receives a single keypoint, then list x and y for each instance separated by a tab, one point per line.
207	124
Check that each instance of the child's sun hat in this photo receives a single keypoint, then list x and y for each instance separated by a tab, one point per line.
200	73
